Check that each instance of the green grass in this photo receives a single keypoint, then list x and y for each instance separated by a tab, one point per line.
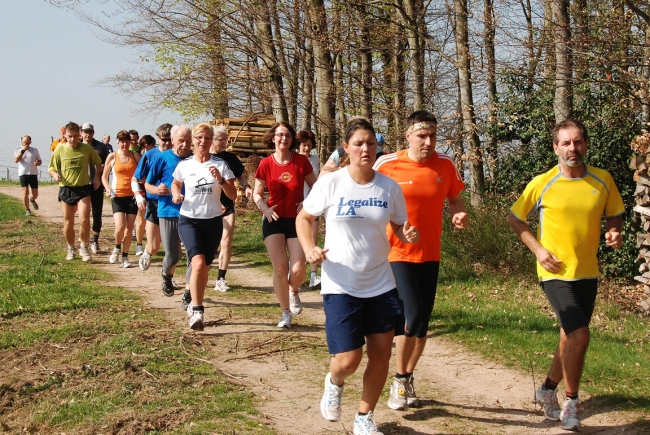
79	355
248	240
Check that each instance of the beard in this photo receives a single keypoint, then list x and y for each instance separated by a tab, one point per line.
578	161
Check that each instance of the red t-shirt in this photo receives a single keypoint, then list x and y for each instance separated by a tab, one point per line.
425	187
285	182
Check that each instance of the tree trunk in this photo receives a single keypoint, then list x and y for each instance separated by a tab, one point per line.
490	30
325	90
548	38
413	9
580	42
307	87
366	62
563	102
218	65
477	178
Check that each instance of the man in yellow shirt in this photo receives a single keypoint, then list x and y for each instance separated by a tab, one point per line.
570	200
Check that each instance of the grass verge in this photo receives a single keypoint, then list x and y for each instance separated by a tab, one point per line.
79	356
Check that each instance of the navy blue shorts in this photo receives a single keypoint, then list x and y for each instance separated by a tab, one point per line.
416	285
286	226
572	301
200	236
349	319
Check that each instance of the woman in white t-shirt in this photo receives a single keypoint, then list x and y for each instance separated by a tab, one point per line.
200	225
305	141
359	297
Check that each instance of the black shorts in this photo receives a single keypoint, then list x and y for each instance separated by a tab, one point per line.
286	226
572	301
124	204
72	195
29	180
152	212
416	285
200	236
228	212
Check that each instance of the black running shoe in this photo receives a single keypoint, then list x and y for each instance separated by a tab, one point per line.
167	285
187	298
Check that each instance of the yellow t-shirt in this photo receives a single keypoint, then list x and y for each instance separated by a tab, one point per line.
73	163
570	214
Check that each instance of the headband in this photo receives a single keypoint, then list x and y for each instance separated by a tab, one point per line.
420	126
352	127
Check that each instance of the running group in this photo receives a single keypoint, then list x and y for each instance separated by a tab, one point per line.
381	255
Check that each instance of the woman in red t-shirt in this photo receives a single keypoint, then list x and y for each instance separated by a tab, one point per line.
283	174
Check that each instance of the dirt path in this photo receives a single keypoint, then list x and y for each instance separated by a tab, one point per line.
459	391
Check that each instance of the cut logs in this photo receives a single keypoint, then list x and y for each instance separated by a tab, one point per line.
245	134
640	163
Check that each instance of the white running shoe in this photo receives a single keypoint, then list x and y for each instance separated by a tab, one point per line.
138	250
294	303
548	398
397	398
221	285
196	321
569	419
285	321
94	247
365	425
126	263
411	397
28	212
190	309
314	281
84	254
115	255
145	261
330	404
70	254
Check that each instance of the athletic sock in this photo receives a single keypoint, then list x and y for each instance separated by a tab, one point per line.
95	238
222	274
362	413
549	384
118	246
572	396
399	376
125	255
197	308
313	274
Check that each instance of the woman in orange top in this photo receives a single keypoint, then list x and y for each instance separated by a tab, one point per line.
121	164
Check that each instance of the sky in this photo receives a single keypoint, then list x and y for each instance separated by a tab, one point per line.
51	62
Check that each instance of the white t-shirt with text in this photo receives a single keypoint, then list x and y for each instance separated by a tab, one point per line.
356	217
202	191
27	164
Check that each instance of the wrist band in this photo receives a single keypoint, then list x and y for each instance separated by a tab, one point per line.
223	181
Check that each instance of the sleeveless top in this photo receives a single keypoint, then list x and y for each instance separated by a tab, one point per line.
122	173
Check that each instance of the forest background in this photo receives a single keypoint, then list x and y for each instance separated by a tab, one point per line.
498	74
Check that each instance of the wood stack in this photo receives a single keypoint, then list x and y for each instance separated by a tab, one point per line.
245	133
640	163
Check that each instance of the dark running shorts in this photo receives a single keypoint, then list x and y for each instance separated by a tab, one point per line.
416	285
349	319
286	226
124	204
572	301
200	236
228	212
72	195
152	212
29	180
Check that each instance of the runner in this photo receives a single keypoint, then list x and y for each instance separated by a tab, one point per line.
121	165
305	141
97	195
359	297
70	167
28	160
150	201
336	159
219	150
56	142
427	178
146	143
283	173
200	226
571	200
159	181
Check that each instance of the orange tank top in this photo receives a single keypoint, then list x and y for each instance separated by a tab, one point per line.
122	174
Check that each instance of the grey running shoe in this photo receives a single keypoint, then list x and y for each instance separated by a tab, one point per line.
196	321
294	303
365	425
186	300
126	263
70	254
28	212
222	285
285	321
397	399
138	250
176	286
313	282
32	201
115	255
84	254
330	404
94	247
167	285
569	419
548	398
144	261
411	397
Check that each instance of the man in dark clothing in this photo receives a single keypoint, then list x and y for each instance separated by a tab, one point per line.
97	196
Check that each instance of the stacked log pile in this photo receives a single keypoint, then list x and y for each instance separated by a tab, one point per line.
640	163
245	134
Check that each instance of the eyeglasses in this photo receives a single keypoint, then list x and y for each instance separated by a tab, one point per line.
286	136
165	139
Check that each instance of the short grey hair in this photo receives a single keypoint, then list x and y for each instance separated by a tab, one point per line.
220	129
